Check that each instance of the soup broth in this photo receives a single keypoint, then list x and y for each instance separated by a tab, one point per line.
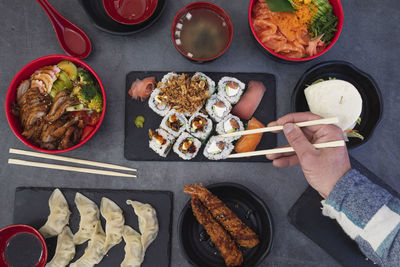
202	34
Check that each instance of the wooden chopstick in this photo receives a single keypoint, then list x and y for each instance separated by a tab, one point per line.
284	150
67	168
280	128
72	160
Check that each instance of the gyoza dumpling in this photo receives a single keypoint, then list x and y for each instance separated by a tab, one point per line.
89	218
148	223
65	250
94	251
134	253
59	215
114	222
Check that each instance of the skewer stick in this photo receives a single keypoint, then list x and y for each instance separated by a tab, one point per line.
67	168
280	128
72	160
284	150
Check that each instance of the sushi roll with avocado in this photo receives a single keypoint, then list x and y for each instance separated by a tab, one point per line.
174	123
168	76
187	146
158	103
218	107
160	141
218	148
231	88
200	126
230	124
209	82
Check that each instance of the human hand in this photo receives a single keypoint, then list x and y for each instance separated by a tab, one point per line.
322	168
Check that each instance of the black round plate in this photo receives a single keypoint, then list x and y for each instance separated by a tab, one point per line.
96	11
371	96
194	241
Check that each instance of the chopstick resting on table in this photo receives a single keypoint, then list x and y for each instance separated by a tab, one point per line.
284	150
67	168
280	128
72	160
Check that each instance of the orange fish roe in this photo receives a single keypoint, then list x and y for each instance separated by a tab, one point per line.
305	12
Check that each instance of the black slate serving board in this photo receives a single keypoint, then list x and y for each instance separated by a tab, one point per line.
306	216
31	208
137	140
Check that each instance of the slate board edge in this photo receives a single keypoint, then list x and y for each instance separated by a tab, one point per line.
127	97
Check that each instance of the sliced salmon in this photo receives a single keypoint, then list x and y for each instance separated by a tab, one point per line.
249	142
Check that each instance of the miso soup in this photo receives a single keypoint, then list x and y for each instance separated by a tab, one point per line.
201	34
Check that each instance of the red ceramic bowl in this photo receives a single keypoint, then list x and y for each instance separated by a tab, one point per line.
8	232
25	73
210	6
130	12
337	10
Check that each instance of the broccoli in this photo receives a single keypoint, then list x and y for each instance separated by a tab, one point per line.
89	96
84	78
96	103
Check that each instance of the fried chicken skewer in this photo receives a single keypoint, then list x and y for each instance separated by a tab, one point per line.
241	233
224	243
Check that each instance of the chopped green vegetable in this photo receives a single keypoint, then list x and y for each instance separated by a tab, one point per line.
359	120
322	80
279	5
96	103
69	68
79	107
62	83
89	96
139	121
324	22
355	135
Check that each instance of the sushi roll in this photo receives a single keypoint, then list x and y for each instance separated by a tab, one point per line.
230	124
174	123
160	141
200	126
187	146
218	107
168	76
210	83
158	103
231	88
218	148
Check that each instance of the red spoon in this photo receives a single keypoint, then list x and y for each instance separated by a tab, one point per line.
72	39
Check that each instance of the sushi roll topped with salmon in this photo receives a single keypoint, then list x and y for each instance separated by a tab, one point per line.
218	107
218	148
231	89
230	124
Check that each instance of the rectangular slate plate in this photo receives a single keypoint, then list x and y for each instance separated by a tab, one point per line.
31	208
306	216
137	140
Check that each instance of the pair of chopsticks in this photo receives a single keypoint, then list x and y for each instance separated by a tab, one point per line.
280	128
69	168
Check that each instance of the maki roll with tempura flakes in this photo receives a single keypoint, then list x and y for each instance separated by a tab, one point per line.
218	107
231	88
200	126
218	148
230	124
209	82
174	123
160	141
187	146
158	103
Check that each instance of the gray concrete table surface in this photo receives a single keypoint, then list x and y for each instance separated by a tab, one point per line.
370	40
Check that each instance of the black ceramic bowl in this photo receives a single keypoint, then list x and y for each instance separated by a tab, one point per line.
100	18
194	241
371	96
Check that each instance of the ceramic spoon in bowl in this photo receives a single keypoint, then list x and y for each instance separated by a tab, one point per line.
72	39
